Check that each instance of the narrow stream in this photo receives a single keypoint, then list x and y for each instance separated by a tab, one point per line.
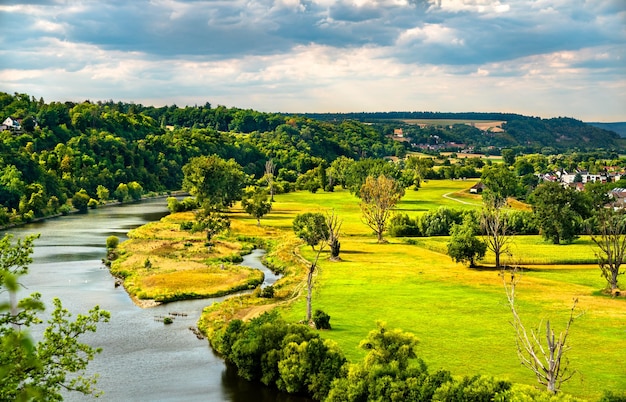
142	359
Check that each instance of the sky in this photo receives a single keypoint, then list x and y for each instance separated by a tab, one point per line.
543	58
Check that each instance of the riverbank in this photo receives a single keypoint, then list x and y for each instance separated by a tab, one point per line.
73	211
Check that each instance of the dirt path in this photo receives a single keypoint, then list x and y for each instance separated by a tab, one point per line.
447	195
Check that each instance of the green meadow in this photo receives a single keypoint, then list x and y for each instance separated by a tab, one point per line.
459	314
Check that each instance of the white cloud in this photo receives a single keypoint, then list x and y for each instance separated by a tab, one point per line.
322	55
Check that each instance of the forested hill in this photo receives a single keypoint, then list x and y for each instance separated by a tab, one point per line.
618	127
559	133
56	150
49	152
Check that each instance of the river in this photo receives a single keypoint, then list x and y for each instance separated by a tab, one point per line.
142	359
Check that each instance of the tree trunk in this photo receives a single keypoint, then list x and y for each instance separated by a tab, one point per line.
309	284
497	259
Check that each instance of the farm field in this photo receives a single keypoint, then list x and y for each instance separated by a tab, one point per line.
459	314
493	125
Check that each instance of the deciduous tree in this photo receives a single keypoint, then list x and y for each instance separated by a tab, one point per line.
378	197
215	182
464	246
270	170
211	221
311	227
559	211
32	370
255	202
611	243
546	359
494	222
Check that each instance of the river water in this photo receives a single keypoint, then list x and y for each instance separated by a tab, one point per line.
142	359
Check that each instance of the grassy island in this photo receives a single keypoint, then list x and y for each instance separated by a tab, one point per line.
163	263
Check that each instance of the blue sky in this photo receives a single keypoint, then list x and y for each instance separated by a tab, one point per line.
536	57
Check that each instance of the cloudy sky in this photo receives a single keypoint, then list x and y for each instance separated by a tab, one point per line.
537	57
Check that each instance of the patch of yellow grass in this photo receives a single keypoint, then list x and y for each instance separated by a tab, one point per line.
163	263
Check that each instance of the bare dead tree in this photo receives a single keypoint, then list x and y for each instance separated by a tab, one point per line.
495	226
544	358
611	242
270	169
331	239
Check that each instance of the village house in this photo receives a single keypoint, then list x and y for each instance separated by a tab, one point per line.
618	197
12	124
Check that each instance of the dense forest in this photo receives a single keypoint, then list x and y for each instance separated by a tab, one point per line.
104	150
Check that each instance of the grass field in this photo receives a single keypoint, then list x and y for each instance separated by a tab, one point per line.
459	314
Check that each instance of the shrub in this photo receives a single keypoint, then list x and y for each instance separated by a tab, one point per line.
112	242
438	222
321	320
64	209
187	225
267	292
92	203
401	225
291	358
477	388
168	320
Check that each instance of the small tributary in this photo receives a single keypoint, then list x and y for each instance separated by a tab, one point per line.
142	359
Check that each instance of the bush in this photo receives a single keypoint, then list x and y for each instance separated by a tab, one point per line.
321	320
401	225
477	388
439	222
80	201
64	209
289	357
92	203
112	242
187	225
267	292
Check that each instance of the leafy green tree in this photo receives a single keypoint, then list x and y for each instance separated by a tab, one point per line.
210	221
508	156
102	193
391	371
338	171
135	190
419	168
80	201
495	225
215	182
501	183
256	203
121	193
464	245
559	211
309	181
28	124
378	197
32	370
311	227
